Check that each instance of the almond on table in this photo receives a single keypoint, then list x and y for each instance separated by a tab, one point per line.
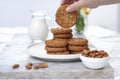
28	67
29	63
43	65
36	67
15	66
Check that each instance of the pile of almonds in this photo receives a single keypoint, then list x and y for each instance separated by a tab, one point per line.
30	65
94	53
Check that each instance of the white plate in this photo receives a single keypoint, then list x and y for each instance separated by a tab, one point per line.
37	50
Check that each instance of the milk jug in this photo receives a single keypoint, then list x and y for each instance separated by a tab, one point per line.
38	29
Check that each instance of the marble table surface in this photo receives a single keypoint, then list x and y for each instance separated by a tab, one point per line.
15	52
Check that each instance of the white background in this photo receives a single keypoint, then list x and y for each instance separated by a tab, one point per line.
18	13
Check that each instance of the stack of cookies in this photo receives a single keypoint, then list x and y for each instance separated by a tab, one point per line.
61	33
62	42
77	45
56	46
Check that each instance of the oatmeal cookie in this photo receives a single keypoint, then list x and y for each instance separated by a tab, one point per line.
63	36
65	19
77	41
52	49
75	52
59	53
56	43
77	48
61	30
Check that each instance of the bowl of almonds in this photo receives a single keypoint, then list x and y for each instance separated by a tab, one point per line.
94	59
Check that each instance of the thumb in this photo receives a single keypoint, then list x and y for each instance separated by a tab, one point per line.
74	7
63	2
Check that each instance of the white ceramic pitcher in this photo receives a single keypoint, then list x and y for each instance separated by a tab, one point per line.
38	29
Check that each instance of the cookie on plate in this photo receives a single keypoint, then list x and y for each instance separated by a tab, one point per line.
75	52
65	19
56	43
58	53
63	36
77	41
54	49
61	30
77	48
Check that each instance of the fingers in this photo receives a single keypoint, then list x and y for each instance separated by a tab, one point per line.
74	7
68	1
82	4
72	1
63	1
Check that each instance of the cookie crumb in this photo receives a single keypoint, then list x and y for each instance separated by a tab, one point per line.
43	65
15	66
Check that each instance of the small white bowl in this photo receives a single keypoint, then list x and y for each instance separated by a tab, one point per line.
94	63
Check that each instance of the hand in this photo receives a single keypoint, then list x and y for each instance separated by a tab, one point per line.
68	1
76	4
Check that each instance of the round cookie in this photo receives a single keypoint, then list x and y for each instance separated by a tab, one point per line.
63	36
56	43
59	53
61	30
65	19
77	48
52	49
77	41
76	52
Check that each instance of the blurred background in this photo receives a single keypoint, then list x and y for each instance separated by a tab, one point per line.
18	13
